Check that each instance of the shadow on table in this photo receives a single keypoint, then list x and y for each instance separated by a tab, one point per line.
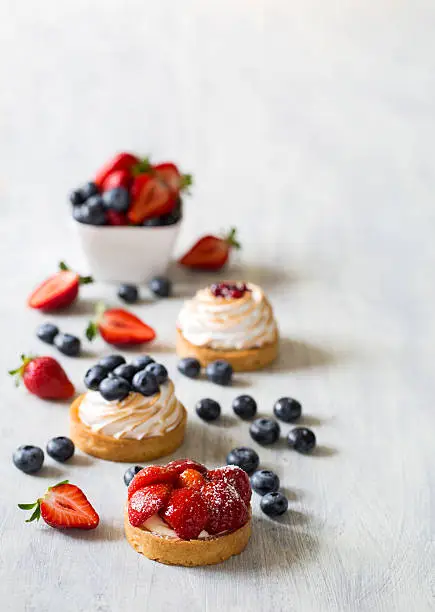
299	355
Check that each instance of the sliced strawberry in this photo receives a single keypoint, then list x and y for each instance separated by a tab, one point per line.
186	513
44	377
179	465
153	474
116	218
119	327
210	252
171	176
191	479
226	509
64	506
121	161
58	291
150	197
146	502
235	476
119	178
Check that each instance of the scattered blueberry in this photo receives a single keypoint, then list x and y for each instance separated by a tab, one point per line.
208	409
190	367
47	332
265	431
128	293
287	409
117	199
60	448
114	388
160	286
301	439
68	344
76	197
246	458
126	371
94	376
131	473
145	383
141	362
28	459
219	372
274	504
111	362
89	190
264	481
159	371
245	406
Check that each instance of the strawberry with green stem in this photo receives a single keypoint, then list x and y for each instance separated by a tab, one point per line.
210	252
119	327
44	377
59	290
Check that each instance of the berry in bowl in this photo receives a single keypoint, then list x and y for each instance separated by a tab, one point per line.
129	216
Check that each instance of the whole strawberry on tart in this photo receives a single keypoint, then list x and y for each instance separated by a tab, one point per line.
185	514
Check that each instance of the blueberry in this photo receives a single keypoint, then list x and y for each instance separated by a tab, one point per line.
117	199
246	458
111	362
274	504
60	448
287	409
190	367
152	222
160	286
95	216
68	344
264	481
142	361
114	388
94	376
128	293
89	190
131	473
301	439
28	459
208	410
265	431
159	371
76	197
80	214
245	406
145	383
219	372
126	371
47	332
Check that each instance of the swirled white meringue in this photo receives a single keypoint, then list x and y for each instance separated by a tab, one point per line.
135	417
222	323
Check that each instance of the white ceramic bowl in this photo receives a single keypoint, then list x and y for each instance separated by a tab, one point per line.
127	254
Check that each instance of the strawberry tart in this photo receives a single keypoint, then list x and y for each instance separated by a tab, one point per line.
184	514
231	321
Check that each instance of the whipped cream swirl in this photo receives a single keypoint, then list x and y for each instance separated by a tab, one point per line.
135	417
225	323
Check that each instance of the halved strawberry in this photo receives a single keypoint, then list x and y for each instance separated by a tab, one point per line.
146	502
64	506
116	218
179	465
226	509
121	161
235	476
119	178
171	176
153	474
186	513
150	197
44	377
191	479
59	290
210	252
119	327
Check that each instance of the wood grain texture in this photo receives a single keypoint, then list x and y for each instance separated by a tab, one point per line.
309	126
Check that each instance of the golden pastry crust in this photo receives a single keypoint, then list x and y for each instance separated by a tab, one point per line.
243	360
188	553
125	450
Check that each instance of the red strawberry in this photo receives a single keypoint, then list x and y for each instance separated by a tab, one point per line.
235	476
121	161
146	502
171	176
191	479
64	506
153	474
186	513
116	218
210	252
59	290
119	178
150	197
119	327
227	511
44	377
179	465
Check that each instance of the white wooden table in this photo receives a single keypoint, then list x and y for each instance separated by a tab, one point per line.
310	127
